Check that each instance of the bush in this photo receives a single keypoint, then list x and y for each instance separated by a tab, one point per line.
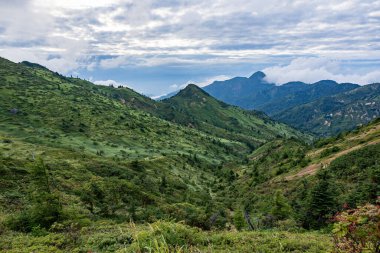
358	230
329	151
19	222
167	237
45	208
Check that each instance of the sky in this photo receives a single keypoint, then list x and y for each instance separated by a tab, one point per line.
156	47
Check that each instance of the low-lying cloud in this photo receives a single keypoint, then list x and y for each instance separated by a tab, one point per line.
311	70
109	83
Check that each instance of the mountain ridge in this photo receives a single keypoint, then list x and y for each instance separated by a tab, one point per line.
334	114
194	106
255	92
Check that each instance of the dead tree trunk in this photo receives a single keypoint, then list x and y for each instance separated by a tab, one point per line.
248	220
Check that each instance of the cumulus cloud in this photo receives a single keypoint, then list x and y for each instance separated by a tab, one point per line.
109	82
105	35
311	70
33	33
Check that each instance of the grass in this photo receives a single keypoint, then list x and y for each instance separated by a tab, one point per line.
163	237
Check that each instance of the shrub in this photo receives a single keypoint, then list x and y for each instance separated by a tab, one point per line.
329	151
358	230
45	208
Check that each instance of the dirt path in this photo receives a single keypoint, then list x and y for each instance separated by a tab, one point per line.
313	168
352	138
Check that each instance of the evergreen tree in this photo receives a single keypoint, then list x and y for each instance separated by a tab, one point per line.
239	219
322	202
46	208
280	207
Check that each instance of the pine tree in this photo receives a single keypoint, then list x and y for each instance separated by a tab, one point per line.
239	219
322	202
280	207
46	208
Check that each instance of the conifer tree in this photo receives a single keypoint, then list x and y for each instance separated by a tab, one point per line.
322	202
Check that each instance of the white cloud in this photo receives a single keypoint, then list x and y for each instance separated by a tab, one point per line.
109	82
212	79
70	35
114	62
201	83
75	4
311	70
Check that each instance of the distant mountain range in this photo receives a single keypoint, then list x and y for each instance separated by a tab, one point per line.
256	93
301	105
331	115
194	107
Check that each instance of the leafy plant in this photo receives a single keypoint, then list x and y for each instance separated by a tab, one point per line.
358	230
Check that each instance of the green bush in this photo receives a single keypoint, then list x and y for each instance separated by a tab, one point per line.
329	151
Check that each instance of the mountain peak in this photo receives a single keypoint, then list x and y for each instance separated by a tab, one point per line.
192	90
326	82
257	75
33	65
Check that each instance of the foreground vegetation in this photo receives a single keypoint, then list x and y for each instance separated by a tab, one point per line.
103	236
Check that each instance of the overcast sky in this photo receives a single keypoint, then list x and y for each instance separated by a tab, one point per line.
157	46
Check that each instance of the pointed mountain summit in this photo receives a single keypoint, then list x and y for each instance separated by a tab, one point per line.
192	91
259	75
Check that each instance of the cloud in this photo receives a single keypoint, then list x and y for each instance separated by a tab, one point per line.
106	35
201	83
311	70
114	62
109	82
212	79
149	33
34	34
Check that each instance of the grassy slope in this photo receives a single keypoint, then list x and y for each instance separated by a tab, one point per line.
163	237
85	134
332	149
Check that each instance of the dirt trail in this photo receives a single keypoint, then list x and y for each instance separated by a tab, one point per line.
352	138
313	168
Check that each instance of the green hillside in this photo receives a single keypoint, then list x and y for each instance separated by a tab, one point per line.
286	182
